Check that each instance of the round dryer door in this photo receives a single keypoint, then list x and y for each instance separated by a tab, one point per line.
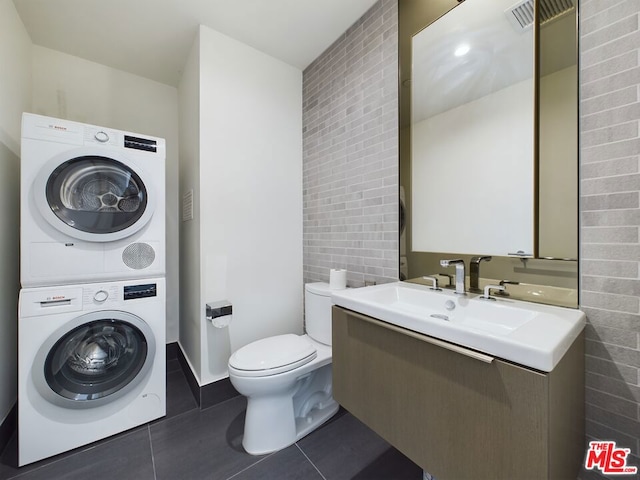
94	359
93	197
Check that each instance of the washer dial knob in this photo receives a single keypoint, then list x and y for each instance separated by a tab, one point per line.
101	136
100	296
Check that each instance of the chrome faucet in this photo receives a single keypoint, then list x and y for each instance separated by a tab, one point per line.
474	273
459	263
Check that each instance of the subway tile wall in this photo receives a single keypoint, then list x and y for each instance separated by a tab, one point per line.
350	144
610	219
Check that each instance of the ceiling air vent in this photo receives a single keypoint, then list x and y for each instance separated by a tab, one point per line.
521	15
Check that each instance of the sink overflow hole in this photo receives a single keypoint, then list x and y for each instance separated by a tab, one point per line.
440	316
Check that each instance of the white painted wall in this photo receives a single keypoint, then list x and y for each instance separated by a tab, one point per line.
15	97
72	88
250	181
469	195
190	265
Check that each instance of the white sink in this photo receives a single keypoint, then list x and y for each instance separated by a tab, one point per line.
529	334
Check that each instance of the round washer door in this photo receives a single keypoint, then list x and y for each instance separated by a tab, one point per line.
94	195
94	359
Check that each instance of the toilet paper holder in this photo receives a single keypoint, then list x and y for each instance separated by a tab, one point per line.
221	308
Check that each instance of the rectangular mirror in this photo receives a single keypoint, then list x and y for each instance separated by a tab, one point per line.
472	132
488	139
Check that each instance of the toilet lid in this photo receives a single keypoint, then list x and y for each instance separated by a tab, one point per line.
273	355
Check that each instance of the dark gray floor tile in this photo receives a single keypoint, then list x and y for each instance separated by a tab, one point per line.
391	465
173	365
287	464
126	456
347	449
8	427
179	396
202	444
173	350
217	392
9	459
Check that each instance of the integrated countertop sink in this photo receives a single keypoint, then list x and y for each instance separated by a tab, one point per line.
533	335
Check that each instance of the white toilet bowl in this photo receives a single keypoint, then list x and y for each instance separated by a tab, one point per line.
287	382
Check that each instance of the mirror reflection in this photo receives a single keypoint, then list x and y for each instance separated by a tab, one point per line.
472	132
558	138
519	191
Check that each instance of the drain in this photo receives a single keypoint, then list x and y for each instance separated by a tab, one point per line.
440	316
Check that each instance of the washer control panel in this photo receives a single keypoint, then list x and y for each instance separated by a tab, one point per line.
106	294
101	136
100	295
132	292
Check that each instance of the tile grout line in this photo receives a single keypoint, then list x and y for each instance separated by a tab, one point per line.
251	466
609	427
309	460
153	459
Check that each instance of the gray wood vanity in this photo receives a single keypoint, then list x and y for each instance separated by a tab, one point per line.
457	414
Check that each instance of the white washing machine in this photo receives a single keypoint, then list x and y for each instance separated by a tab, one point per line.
92	203
91	363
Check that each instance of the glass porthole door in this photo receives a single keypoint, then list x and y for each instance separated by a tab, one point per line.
93	197
96	194
97	359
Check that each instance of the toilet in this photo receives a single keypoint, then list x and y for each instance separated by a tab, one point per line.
287	379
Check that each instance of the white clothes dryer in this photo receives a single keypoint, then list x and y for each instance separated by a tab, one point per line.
91	363
92	203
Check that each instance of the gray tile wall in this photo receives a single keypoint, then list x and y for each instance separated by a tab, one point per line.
350	134
610	216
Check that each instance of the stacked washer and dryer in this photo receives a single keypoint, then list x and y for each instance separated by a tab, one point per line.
91	314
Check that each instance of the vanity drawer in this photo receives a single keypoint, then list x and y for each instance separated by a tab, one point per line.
455	415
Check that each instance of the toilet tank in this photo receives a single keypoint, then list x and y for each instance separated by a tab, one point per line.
317	311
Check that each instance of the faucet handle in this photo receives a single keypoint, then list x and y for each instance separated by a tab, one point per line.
450	277
434	282
504	283
487	291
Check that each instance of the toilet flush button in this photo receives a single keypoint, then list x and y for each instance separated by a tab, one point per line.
100	296
101	136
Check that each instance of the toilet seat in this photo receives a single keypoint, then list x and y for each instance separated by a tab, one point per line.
272	355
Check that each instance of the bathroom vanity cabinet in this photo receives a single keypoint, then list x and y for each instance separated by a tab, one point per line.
459	416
